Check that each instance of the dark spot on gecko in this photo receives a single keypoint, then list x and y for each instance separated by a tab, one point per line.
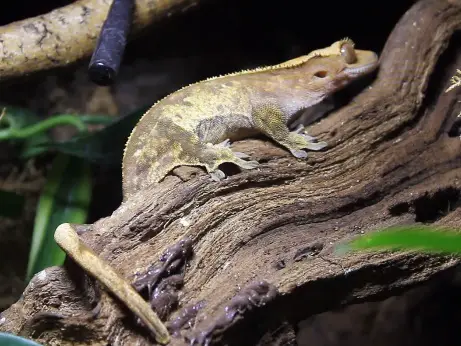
308	251
162	281
254	295
143	166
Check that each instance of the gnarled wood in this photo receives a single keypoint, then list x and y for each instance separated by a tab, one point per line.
394	158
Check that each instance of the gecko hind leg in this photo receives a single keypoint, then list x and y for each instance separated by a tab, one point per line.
215	155
226	144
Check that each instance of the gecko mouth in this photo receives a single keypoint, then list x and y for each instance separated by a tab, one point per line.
362	69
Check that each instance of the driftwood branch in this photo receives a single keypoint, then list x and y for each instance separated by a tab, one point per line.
262	240
68	34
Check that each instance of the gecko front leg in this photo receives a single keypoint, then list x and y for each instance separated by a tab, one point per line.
270	120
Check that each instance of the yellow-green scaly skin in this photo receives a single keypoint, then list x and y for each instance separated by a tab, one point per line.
193	125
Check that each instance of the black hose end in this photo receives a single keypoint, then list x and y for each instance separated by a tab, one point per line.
101	74
107	56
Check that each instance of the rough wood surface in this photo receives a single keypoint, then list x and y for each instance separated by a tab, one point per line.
69	33
394	158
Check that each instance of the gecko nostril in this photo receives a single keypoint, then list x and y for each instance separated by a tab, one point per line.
321	74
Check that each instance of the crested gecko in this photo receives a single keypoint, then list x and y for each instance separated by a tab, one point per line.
195	125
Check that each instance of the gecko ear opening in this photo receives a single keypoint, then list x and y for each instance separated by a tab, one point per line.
321	74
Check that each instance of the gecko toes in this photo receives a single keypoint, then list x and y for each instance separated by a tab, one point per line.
218	155
224	144
316	145
217	175
301	140
300	154
249	164
241	155
300	130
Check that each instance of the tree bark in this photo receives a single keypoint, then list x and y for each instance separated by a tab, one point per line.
393	158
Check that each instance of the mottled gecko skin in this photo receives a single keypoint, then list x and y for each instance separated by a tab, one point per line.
194	125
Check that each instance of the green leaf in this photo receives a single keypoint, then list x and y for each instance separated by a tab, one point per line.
30	131
42	126
22	123
40	142
13	340
11	204
17	118
418	237
65	198
101	147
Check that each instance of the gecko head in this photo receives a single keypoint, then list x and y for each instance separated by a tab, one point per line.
329	69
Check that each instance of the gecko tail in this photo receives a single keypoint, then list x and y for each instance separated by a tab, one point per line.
141	176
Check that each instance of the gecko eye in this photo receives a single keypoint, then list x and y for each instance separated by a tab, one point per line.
348	53
321	74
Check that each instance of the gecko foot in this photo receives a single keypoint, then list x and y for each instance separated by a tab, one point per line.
217	175
217	155
241	155
297	142
302	131
315	146
300	154
245	164
226	144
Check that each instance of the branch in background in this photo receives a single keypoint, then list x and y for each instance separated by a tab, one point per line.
69	33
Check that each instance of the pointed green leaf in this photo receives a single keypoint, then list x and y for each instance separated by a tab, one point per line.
101	147
65	198
416	237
